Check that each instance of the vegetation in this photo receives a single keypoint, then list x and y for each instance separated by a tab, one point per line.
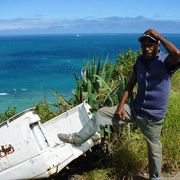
96	85
170	132
7	114
102	84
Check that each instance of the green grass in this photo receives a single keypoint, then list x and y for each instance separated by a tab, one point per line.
171	135
171	129
176	81
96	174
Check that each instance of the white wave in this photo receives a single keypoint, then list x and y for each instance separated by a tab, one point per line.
3	94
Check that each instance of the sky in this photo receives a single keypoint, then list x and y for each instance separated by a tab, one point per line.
81	16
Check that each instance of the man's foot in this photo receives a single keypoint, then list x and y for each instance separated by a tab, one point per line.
67	138
96	138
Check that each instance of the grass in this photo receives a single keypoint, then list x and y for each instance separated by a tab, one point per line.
171	135
96	174
170	131
176	81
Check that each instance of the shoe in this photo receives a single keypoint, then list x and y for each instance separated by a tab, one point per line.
67	138
96	138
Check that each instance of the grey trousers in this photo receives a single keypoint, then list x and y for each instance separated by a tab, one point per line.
149	127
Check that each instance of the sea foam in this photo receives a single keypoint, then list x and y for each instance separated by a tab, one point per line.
3	94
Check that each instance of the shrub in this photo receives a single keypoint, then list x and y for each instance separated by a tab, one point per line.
96	85
44	111
7	114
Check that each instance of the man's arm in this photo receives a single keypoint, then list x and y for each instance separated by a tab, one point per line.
174	52
128	91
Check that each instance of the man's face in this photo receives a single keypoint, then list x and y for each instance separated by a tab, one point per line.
149	49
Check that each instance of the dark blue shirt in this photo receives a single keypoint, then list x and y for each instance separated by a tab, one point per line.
154	83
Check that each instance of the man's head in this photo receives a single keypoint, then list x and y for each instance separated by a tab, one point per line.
149	45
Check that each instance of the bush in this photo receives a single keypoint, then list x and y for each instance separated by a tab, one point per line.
7	114
44	111
97	85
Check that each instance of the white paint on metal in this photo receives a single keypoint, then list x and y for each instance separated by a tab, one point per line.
31	150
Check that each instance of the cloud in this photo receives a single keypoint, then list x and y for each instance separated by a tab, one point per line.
87	25
15	24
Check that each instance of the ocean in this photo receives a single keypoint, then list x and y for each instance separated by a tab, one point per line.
35	65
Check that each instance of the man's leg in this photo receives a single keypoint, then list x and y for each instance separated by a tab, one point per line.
152	131
101	118
104	116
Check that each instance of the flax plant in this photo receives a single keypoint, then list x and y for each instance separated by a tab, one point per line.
96	85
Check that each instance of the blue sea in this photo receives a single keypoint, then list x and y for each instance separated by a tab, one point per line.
33	66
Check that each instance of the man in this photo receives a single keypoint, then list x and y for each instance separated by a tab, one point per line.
152	72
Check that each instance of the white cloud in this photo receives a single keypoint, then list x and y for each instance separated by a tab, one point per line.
87	25
25	23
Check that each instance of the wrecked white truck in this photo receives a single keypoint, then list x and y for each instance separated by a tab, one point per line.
32	150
